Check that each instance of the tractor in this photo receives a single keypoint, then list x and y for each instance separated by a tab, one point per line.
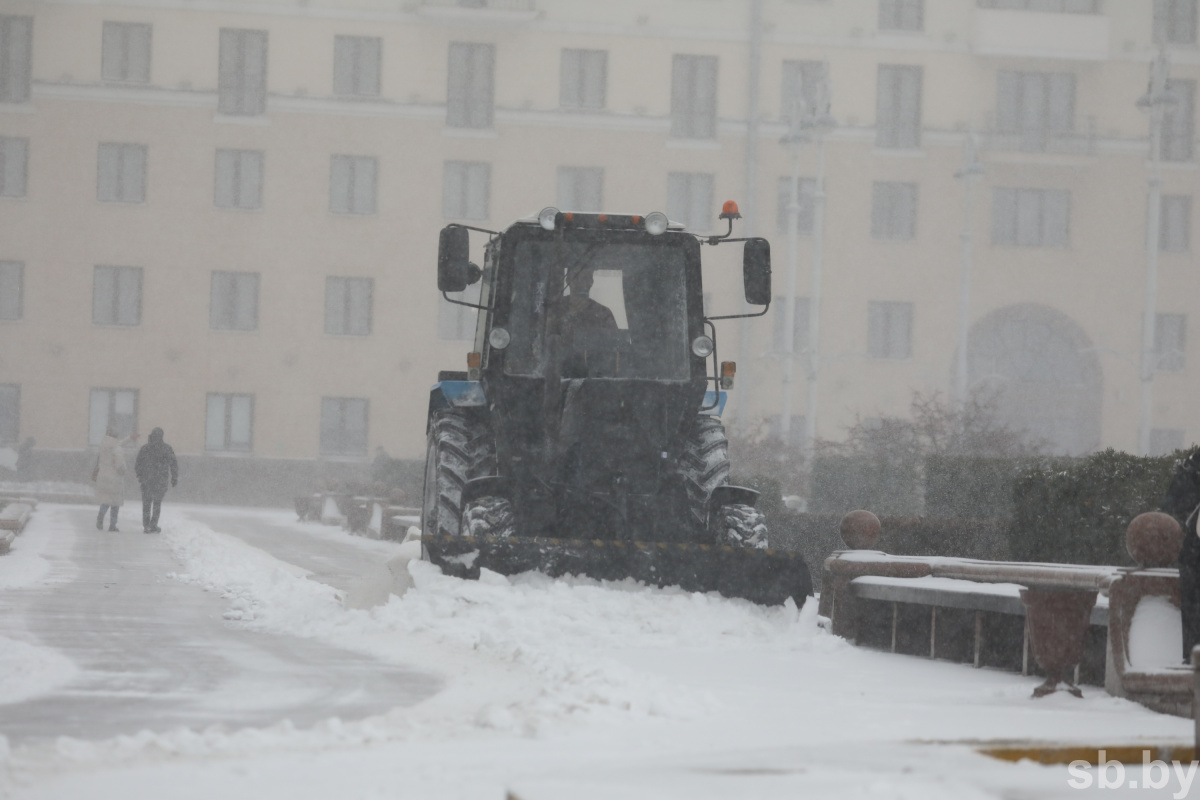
584	437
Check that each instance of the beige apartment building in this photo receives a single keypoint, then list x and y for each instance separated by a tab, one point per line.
221	217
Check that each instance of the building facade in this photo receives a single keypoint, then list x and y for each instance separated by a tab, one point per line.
221	218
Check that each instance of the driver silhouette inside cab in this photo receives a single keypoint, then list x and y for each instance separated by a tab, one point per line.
589	327
582	312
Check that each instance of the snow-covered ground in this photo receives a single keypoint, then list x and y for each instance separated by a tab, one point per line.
525	686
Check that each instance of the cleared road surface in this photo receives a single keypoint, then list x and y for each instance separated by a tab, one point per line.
155	653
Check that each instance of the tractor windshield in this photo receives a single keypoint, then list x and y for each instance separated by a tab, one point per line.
599	309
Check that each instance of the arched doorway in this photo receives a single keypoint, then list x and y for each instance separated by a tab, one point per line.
1048	379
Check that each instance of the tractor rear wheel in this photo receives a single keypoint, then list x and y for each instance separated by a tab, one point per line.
459	448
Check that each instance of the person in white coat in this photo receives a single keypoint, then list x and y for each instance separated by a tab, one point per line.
109	476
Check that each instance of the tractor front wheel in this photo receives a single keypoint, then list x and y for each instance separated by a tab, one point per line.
739	525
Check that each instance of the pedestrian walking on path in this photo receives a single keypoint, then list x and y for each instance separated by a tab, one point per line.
109	476
155	465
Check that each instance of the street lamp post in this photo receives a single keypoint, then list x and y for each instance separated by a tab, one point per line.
806	124
970	172
1156	99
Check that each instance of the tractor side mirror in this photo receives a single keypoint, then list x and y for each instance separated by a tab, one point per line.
756	271
455	270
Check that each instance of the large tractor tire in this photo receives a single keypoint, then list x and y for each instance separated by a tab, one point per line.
489	516
738	525
704	464
459	448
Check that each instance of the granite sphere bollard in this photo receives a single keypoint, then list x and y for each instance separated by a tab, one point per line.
861	530
1154	539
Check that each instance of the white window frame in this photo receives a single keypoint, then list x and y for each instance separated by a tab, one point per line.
14	166
117	296
694	96
805	219
238	179
16	58
10	413
1170	341
229	423
902	15
348	305
121	170
357	65
894	211
233	301
583	79
12	290
353	184
889	330
115	407
466	190
1029	217
242	72
337	431
470	84
125	52
898	106
1175	21
1175	223
690	199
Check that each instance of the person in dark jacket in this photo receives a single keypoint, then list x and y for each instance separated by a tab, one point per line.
155	465
1182	501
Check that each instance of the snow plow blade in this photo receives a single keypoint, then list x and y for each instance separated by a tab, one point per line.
766	577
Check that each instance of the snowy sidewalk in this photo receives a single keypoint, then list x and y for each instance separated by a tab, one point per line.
550	689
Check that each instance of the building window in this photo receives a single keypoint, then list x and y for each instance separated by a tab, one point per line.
233	301
125	52
1179	124
469	87
694	97
1175	223
457	323
117	296
1175	21
1035	106
121	174
229	424
898	106
1169	338
10	412
12	287
901	15
583	78
348	305
242	86
580	188
1031	217
112	408
14	166
16	51
889	330
800	330
1165	441
239	177
894	211
801	89
343	426
690	199
356	65
352	181
465	189
1054	6
804	222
